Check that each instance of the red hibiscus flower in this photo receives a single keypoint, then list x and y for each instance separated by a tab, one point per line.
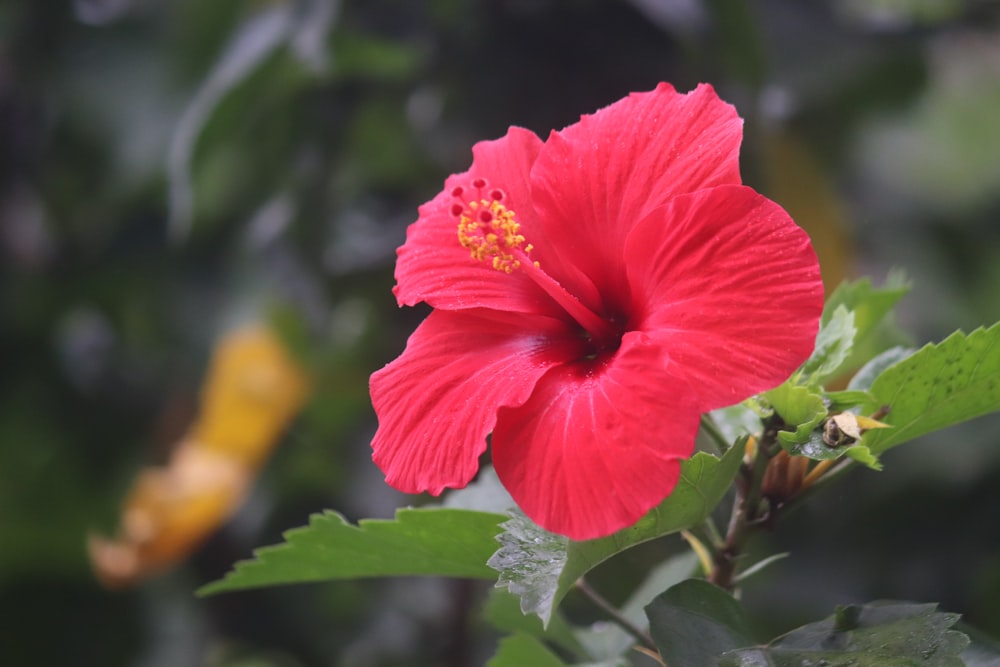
593	294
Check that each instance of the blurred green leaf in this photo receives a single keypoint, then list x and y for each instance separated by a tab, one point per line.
939	385
441	542
866	375
875	329
736	421
366	57
741	47
541	567
879	634
256	40
833	344
606	641
503	611
46	502
521	650
869	304
695	622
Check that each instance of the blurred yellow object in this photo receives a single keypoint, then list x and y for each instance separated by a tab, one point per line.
797	181
253	390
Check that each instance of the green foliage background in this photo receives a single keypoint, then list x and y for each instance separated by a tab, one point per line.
170	167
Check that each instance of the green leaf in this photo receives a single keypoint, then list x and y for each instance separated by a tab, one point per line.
760	566
503	611
879	634
815	448
736	421
695	622
864	456
833	344
541	567
606	641
799	407
938	386
521	650
441	542
869	303
865	377
982	651
875	330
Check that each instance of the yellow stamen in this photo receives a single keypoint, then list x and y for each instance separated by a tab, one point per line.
489	231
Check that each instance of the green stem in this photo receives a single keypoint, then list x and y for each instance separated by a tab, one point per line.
615	614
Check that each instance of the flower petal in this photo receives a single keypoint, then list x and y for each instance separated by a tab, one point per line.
731	285
594	180
598	444
437	402
432	265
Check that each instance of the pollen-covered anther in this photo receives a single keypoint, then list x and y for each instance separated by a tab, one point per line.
488	229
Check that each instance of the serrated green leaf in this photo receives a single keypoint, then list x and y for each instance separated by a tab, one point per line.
872	308
695	622
442	542
541	567
938	386
503	611
879	634
521	650
865	377
800	408
864	456
870	303
833	345
982	651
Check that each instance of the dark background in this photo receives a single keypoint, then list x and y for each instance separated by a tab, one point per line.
308	132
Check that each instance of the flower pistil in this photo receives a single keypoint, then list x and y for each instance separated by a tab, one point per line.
489	230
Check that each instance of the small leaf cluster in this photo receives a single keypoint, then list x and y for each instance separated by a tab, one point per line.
797	436
697	624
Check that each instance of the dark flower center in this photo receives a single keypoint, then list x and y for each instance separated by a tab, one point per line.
596	347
